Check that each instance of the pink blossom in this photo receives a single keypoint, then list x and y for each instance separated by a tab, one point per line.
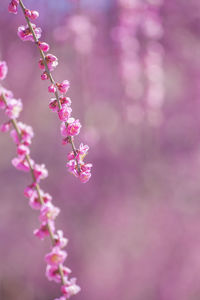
60	240
31	14
25	34
22	150
52	273
12	8
86	167
56	256
4	93
51	61
43	46
34	14
63	86
3	70
5	127
26	134
48	212
7	94
53	104
66	140
40	172
20	164
70	288
13	109
85	170
81	153
34	200
64	113
72	167
44	76
27	13
84	176
29	190
43	231
72	129
52	88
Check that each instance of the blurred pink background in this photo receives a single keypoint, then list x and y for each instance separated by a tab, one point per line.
134	229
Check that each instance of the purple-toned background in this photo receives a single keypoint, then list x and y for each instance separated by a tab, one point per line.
134	229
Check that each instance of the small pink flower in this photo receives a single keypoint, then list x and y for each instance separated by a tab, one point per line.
51	61
43	46
44	76
34	200
72	129
86	167
5	127
25	34
34	14
72	167
4	93
26	134
85	170
3	70
52	88
40	172
52	273
21	164
29	190
70	288
48	212
31	14
66	140
65	100
56	256
22	150
27	13
13	109
43	231
63	86
60	240
12	8
53	104
85	176
64	113
81	153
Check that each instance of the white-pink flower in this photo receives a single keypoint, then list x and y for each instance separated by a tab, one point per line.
25	33
56	256
59	239
72	129
13	109
52	273
63	86
43	231
70	288
26	134
64	113
21	164
40	172
48	212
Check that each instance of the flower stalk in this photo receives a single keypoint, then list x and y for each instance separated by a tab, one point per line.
22	135
60	104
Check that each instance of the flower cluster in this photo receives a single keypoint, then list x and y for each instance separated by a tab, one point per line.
22	135
61	104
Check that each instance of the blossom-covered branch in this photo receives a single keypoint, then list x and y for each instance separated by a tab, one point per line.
60	104
22	135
